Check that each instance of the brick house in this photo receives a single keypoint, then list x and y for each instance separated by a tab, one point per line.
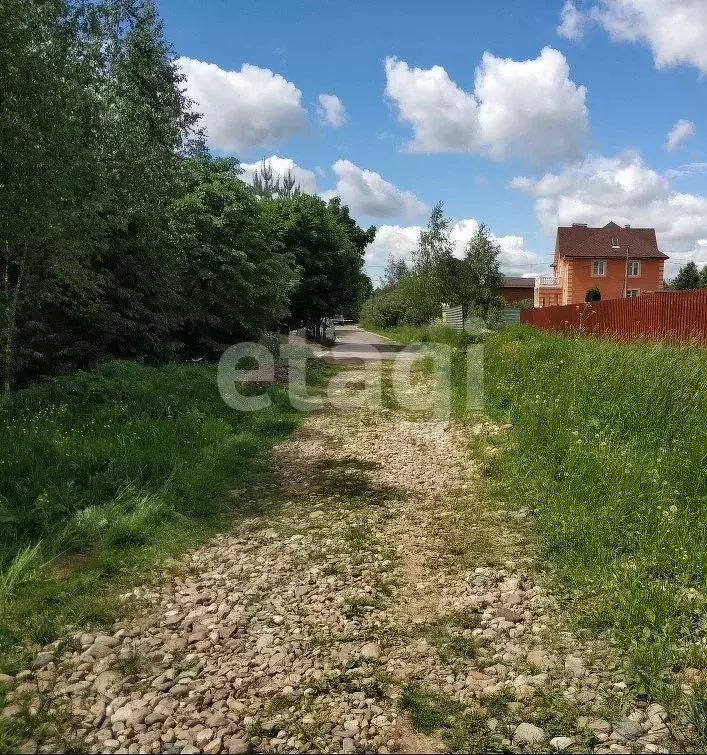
517	289
619	260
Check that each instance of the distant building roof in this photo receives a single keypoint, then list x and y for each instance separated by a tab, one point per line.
580	240
511	282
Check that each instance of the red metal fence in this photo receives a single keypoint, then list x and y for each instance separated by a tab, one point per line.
669	315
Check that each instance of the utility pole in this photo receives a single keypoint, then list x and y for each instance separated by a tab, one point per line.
628	251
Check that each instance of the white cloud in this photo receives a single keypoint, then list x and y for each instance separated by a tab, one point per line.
678	133
687	170
280	166
528	107
243	109
571	21
397	240
331	110
401	242
675	30
624	189
368	193
697	254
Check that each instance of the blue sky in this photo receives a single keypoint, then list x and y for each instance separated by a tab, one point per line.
517	113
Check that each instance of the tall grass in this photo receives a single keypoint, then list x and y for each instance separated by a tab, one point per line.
106	473
429	334
609	446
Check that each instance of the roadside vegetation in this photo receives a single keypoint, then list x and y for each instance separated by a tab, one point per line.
121	236
607	448
106	474
128	249
413	294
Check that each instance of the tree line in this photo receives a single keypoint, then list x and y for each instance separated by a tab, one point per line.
121	235
413	294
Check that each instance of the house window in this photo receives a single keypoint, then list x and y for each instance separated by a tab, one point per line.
615	243
631	292
598	268
634	269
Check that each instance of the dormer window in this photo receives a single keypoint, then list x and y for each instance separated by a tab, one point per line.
615	243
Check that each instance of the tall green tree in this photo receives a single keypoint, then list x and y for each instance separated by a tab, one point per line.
99	124
434	265
49	121
147	123
395	270
688	277
480	280
328	254
236	276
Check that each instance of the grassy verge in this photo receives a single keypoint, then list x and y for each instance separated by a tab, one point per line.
428	334
435	339
105	474
609	446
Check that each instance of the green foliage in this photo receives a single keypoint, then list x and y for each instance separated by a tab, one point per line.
268	186
414	296
236	277
110	471
479	281
327	248
689	277
607	446
120	236
593	294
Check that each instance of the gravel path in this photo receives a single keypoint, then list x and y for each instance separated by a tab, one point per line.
381	589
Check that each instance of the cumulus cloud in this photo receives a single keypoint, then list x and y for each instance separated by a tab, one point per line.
571	21
401	241
675	30
280	166
331	110
368	193
530	108
243	109
624	189
678	133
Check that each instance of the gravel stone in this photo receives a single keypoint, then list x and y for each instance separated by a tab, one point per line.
298	629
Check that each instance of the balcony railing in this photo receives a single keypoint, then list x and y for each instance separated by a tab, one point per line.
547	281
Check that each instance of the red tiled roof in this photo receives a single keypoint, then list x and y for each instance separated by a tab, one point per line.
510	282
581	241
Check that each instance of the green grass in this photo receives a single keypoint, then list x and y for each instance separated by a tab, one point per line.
609	447
461	731
428	334
105	474
463	398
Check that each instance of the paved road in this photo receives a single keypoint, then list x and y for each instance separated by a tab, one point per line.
353	342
